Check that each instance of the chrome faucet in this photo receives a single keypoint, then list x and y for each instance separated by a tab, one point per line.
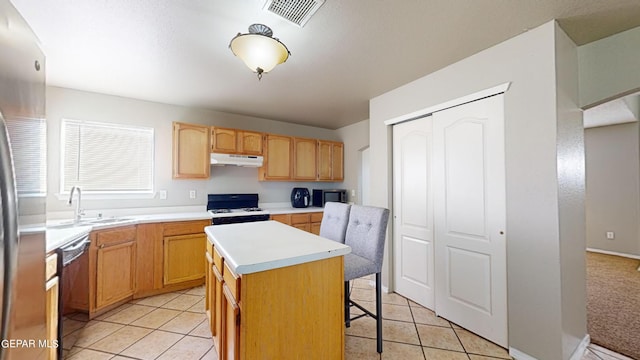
77	216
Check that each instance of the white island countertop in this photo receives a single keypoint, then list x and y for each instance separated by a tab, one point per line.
264	245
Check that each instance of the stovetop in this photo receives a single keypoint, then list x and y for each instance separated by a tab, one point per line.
236	212
225	205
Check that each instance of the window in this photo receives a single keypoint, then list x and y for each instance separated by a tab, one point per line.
28	138
106	158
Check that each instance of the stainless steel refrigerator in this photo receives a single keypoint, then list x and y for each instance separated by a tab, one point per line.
22	189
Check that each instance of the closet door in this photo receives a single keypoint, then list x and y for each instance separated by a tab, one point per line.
469	210
413	211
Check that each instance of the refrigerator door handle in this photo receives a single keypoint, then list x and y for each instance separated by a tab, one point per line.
9	239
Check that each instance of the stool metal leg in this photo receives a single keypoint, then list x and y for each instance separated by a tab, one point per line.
347	305
379	312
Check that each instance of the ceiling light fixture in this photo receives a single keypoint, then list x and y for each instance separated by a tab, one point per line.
259	50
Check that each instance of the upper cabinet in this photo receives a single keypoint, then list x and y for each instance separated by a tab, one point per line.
277	158
234	141
304	159
223	140
286	158
330	161
249	142
191	159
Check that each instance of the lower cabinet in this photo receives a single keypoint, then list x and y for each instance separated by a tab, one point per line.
179	254
309	222
169	256
231	315
52	287
115	251
105	277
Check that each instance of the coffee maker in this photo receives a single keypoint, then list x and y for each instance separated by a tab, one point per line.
300	197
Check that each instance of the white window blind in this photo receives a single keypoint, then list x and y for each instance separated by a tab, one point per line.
106	158
28	138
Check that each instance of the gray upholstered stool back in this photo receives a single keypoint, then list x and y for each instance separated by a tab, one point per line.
334	221
365	235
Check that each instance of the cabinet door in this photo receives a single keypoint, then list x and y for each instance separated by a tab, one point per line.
337	162
249	142
277	158
231	326
191	159
330	161
209	293
223	140
306	227
53	287
183	258
216	312
315	228
283	218
304	159
316	220
324	160
115	273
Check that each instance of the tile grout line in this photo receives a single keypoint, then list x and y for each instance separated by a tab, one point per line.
415	325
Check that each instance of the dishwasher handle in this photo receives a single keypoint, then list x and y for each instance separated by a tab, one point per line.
73	251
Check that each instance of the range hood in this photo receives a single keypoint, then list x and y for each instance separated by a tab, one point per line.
237	160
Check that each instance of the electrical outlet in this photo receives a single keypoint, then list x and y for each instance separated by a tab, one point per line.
611	235
192	194
163	194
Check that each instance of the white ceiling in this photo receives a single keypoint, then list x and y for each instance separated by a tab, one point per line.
176	51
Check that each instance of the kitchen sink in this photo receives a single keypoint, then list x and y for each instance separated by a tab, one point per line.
90	222
106	220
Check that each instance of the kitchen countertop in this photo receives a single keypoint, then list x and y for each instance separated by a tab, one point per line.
58	236
265	245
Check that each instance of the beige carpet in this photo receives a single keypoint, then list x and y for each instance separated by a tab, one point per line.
613	303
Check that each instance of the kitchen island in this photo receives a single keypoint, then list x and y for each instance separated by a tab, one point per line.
274	292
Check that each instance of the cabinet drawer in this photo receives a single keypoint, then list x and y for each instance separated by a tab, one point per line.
283	218
51	266
316	217
184	227
115	236
232	281
209	248
300	218
217	260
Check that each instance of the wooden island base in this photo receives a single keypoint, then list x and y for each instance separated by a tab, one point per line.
293	312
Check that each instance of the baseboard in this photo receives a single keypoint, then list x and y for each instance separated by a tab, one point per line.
519	355
607	252
578	353
385	289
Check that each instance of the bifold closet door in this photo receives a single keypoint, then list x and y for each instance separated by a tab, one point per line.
413	211
469	217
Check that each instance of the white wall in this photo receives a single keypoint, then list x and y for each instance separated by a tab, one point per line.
73	104
613	187
609	67
537	324
571	195
355	138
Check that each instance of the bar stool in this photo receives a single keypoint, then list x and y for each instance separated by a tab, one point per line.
334	221
366	233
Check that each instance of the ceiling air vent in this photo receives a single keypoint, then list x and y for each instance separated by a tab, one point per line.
295	11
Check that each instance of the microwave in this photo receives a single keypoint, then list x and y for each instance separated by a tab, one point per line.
322	196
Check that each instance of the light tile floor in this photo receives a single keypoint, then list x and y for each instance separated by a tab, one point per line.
174	326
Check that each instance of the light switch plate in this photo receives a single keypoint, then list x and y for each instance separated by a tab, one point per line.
163	194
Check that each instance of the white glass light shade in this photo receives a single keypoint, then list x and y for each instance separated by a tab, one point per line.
259	52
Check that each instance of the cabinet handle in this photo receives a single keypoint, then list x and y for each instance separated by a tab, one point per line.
101	246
